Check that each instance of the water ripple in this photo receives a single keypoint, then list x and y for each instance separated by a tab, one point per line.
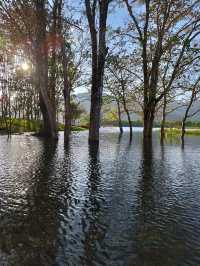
124	204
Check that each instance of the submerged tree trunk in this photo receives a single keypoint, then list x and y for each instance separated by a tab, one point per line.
149	114
183	130
193	95
119	117
123	97
184	121
49	119
130	123
95	113
128	117
162	130
99	52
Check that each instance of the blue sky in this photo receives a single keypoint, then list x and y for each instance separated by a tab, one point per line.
118	17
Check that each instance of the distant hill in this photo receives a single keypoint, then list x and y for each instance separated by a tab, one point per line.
84	99
179	113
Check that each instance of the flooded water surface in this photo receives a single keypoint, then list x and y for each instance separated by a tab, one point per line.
124	204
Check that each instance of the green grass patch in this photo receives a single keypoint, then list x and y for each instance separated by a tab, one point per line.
22	125
177	131
61	127
77	128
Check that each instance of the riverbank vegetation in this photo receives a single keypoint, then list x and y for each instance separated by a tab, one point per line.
157	124
178	131
17	125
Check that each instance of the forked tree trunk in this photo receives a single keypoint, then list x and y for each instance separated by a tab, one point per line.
99	52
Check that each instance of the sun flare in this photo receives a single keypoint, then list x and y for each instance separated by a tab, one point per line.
25	66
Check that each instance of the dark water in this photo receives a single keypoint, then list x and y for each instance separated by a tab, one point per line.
128	204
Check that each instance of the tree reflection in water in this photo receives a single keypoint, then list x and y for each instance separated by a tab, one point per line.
27	239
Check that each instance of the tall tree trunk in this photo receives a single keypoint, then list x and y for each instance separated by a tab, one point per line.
183	129
148	121
130	123
58	28
119	117
55	31
99	52
129	118
9	114
49	119
66	92
184	122
187	114
52	82
162	130
95	113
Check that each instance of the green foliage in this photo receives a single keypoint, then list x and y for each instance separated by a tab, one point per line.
2	42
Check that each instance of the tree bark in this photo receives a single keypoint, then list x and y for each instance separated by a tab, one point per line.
162	130
194	92
66	93
99	52
183	130
49	119
119	117
55	31
149	113
128	117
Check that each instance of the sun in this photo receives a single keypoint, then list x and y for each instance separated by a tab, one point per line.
25	66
